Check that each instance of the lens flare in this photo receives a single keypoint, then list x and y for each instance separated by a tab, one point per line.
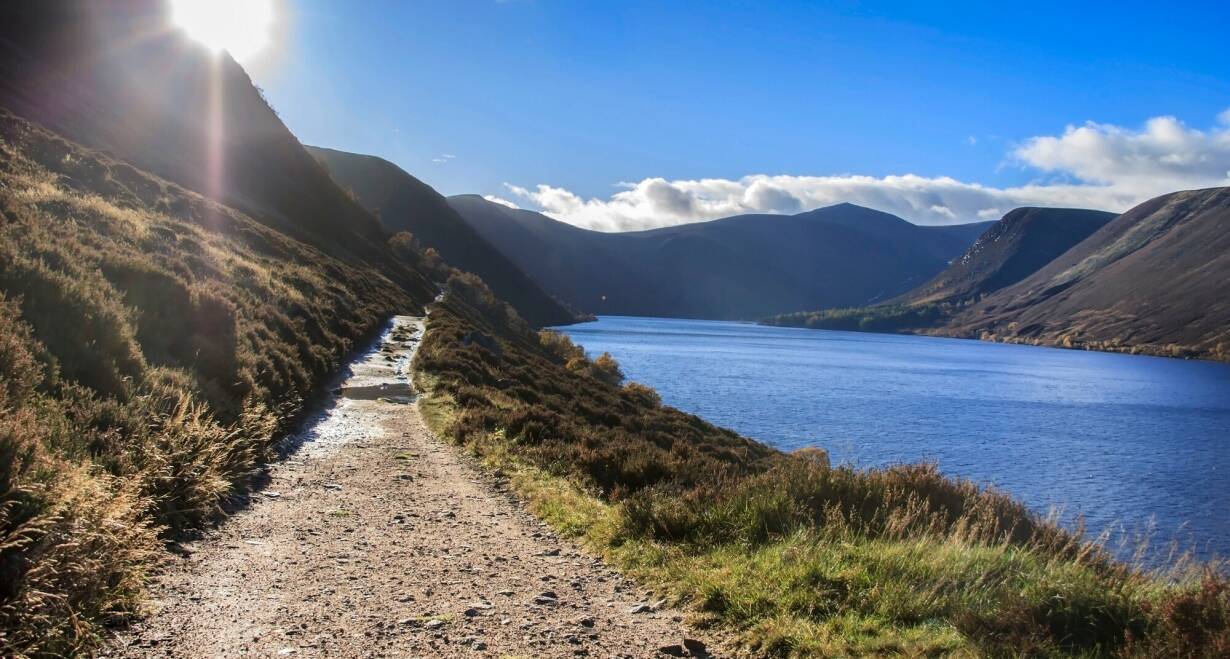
240	27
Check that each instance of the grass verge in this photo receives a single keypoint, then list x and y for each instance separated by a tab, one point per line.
791	556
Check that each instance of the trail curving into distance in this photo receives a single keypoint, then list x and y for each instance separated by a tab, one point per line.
373	538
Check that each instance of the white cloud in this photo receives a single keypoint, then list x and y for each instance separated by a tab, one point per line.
500	200
939	200
1165	155
1098	166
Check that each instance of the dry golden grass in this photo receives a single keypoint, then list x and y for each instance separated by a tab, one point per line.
153	347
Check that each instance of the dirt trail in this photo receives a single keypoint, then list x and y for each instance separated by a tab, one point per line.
376	539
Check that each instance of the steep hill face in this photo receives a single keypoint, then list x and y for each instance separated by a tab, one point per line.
1153	281
746	266
114	76
403	203
1016	246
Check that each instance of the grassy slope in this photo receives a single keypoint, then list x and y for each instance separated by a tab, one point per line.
792	556
153	344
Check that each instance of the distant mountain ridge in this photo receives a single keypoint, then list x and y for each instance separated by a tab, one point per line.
404	203
1155	280
740	267
1016	246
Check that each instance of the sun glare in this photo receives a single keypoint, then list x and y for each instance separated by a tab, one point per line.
240	27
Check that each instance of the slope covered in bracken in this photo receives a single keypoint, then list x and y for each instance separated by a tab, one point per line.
1153	281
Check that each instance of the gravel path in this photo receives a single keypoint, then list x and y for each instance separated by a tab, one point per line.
375	539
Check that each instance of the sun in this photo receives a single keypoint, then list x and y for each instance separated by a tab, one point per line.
240	27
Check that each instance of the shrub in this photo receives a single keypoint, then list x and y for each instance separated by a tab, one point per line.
606	369
559	347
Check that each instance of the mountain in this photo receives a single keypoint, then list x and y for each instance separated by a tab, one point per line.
1019	244
403	203
1154	281
739	267
112	75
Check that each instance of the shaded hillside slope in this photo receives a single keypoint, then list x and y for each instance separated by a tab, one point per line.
1018	245
403	203
114	76
738	267
1152	281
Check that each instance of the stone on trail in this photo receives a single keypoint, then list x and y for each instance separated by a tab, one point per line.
697	648
546	597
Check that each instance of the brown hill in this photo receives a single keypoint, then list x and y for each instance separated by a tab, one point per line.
1016	246
1152	281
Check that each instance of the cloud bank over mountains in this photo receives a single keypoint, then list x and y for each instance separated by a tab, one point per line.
1089	166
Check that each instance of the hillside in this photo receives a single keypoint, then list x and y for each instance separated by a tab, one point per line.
1018	245
1152	281
403	203
113	76
746	266
178	279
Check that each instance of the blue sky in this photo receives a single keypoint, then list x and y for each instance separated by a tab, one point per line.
499	98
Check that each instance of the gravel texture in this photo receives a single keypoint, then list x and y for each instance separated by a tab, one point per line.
375	539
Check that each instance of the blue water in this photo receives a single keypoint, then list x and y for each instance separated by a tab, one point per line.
1135	445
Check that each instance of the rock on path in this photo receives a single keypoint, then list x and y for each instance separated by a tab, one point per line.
375	539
